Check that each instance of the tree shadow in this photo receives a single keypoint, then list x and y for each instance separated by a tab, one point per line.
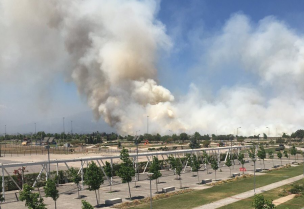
136	198
101	206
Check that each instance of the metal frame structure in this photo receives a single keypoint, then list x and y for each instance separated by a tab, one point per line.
46	164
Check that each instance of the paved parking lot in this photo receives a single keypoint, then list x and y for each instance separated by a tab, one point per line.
68	192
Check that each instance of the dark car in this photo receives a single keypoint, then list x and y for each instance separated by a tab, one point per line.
281	147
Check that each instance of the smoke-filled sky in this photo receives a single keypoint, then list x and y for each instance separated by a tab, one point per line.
176	66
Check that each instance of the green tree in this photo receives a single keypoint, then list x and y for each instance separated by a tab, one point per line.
206	143
286	154
228	163
109	172
155	169
93	178
119	144
195	164
126	170
205	160
271	156
86	205
293	151
260	202
32	200
241	160
264	136
50	190
262	154
177	166
183	137
279	154
299	134
1	196
214	165
194	143
75	178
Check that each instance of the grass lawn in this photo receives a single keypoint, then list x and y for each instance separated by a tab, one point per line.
295	203
201	197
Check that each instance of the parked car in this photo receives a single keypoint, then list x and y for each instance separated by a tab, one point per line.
281	147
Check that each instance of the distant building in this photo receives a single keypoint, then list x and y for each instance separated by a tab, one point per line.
45	140
52	140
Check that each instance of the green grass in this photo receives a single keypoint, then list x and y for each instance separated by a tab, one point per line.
201	197
295	203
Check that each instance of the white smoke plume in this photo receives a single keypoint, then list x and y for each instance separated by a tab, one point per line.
110	48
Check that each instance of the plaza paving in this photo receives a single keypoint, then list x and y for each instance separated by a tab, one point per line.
68	192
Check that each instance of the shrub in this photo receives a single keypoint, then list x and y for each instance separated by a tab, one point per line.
260	202
296	189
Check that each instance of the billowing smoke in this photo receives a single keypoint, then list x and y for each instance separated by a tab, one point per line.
110	49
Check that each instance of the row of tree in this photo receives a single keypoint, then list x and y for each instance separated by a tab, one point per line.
151	137
93	176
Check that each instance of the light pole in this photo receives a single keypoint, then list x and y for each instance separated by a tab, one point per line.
254	159
71	127
232	157
63	124
136	141
35	128
150	177
268	131
4	132
49	167
237	131
147	124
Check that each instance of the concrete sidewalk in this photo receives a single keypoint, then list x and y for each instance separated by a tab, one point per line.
244	195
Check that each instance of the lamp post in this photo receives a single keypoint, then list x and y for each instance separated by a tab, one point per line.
232	157
63	125
237	131
147	124
49	167
136	141
35	129
268	131
71	127
254	159
150	177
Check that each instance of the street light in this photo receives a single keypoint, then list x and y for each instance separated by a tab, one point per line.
150	177
71	127
136	141
232	157
147	124
48	149
268	131
237	131
63	125
254	159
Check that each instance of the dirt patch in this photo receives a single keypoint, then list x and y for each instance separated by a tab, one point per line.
283	199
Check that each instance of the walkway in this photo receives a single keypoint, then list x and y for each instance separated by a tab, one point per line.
244	195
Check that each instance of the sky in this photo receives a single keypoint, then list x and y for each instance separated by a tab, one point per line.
210	66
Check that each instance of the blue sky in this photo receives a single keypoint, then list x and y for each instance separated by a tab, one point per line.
205	19
192	27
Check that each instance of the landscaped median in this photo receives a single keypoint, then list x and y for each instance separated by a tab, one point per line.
200	197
